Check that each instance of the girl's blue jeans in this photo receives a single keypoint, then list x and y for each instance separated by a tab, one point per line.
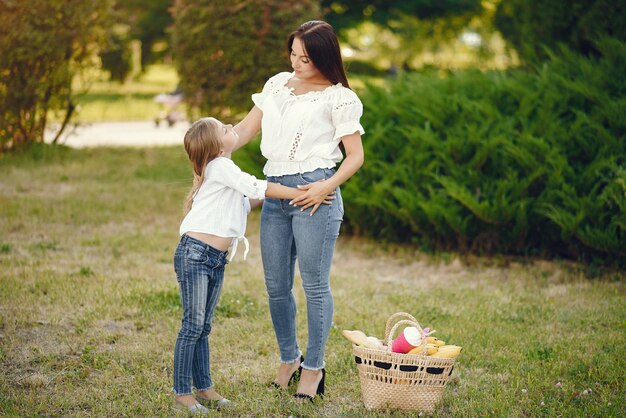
288	234
200	274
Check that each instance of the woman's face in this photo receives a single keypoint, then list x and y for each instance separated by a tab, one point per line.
301	63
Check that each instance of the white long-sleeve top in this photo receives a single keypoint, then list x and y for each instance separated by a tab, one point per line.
221	205
301	133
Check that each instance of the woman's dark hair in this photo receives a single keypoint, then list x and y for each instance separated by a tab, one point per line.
322	47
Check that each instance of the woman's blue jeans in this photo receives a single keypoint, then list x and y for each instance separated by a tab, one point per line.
288	234
200	274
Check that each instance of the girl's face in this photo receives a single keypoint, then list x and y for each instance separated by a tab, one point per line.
227	135
301	63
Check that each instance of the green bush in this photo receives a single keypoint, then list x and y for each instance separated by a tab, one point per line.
44	43
225	51
518	162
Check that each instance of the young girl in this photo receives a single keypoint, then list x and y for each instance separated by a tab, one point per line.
215	218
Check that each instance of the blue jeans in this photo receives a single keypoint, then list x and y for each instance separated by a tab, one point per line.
200	274
287	234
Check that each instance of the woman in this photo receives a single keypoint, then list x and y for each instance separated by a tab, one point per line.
304	117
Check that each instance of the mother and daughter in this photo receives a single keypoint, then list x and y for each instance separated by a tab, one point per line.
304	116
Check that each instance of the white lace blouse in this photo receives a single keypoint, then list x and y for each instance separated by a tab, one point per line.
301	133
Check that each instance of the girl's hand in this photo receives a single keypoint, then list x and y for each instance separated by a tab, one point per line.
316	194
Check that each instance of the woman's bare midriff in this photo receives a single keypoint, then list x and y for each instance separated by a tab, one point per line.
214	241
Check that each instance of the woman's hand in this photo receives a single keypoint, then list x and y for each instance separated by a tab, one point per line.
316	194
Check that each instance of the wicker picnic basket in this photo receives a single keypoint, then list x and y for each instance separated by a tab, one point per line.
401	381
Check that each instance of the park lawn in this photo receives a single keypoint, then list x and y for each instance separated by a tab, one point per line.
89	306
100	99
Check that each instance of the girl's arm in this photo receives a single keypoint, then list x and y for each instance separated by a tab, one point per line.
249	127
278	191
316	193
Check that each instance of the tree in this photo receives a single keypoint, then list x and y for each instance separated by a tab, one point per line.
530	26
152	27
224	51
403	33
44	44
143	21
350	13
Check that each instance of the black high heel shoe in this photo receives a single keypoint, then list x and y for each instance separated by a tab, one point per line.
319	392
294	376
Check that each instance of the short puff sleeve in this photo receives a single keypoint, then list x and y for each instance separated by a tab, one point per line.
271	86
346	113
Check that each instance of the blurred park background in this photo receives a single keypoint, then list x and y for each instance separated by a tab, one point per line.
493	126
495	166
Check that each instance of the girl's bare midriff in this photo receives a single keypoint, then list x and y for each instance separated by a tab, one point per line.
214	241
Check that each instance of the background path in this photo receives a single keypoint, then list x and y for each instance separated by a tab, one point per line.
135	133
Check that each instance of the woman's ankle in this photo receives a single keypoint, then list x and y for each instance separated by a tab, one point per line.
286	371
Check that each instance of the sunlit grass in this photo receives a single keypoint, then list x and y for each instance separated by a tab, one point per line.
89	306
133	100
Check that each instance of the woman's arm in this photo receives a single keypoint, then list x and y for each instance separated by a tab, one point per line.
316	193
248	127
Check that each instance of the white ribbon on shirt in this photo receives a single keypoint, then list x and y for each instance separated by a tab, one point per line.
236	244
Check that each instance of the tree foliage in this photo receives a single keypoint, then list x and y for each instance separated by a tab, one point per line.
529	25
145	21
44	44
116	55
224	51
349	13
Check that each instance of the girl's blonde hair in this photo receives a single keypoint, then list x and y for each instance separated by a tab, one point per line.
202	144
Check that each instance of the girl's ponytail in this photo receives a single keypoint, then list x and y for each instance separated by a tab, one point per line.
202	145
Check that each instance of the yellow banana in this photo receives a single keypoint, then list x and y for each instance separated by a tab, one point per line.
448	351
436	341
430	349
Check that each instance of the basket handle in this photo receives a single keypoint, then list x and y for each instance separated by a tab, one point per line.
393	317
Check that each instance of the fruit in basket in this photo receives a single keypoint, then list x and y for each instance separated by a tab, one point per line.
448	351
436	341
356	337
430	349
373	342
359	338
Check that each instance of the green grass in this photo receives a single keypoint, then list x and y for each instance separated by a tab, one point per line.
89	306
133	100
